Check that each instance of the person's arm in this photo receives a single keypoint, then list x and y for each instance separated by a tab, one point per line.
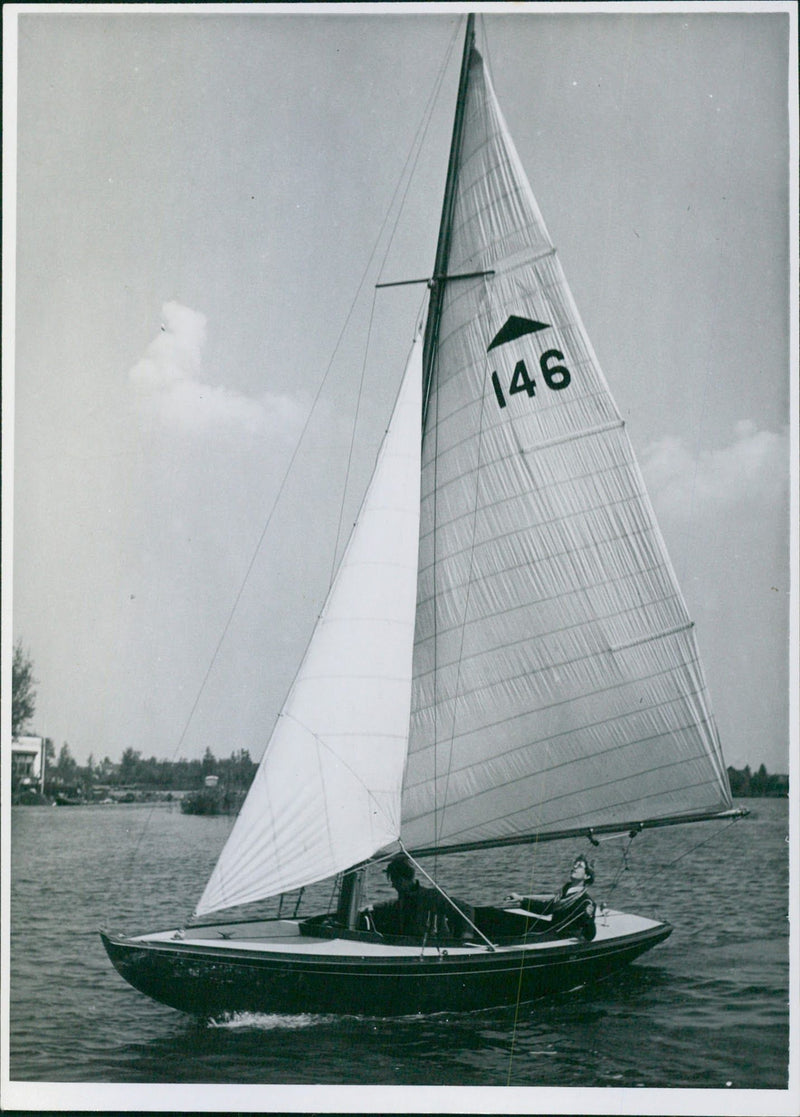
385	917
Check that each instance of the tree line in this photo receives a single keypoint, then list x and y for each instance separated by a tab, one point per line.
135	771
237	772
746	784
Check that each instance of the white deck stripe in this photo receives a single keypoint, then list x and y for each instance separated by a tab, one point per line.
610	926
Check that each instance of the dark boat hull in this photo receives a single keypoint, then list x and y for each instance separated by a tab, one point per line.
210	981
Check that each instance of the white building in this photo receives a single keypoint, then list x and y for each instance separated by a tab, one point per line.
27	760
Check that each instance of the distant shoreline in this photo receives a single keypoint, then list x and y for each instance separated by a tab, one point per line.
757	785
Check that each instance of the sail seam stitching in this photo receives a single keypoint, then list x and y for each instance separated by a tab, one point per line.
587	432
594	787
551	291
536	637
578	729
508	264
652	637
337	756
628	480
692	662
421	641
543	671
470	182
504	455
527	529
636	775
487	254
556	554
611	806
542	487
529	837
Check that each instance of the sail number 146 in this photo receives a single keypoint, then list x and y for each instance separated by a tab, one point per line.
556	376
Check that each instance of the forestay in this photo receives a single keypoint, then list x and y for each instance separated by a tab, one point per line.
327	792
556	677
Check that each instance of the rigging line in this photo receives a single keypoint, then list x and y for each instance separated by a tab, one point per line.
337	881
427	118
489	944
441	265
284	712
705	841
638	884
407	174
417	143
353	438
623	865
434	390
420	319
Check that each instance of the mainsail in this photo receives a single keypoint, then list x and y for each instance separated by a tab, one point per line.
556	677
555	680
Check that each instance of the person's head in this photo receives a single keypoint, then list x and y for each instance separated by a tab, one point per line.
400	872
581	870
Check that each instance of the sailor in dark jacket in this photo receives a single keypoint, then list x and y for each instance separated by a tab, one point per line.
418	912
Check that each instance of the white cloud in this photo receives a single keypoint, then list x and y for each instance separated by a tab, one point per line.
754	467
168	386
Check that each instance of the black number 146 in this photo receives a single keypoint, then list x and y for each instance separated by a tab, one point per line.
555	376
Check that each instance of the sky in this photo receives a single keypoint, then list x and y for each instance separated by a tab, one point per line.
199	198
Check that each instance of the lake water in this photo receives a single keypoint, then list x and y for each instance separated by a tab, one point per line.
706	1009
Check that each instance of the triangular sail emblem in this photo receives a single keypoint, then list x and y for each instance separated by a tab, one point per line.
516	327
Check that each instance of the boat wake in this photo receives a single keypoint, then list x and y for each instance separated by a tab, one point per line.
268	1021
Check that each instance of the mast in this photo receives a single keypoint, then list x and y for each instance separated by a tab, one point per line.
446	223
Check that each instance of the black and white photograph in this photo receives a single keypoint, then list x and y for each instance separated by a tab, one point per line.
399	558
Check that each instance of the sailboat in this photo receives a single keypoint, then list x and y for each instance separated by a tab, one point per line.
504	658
